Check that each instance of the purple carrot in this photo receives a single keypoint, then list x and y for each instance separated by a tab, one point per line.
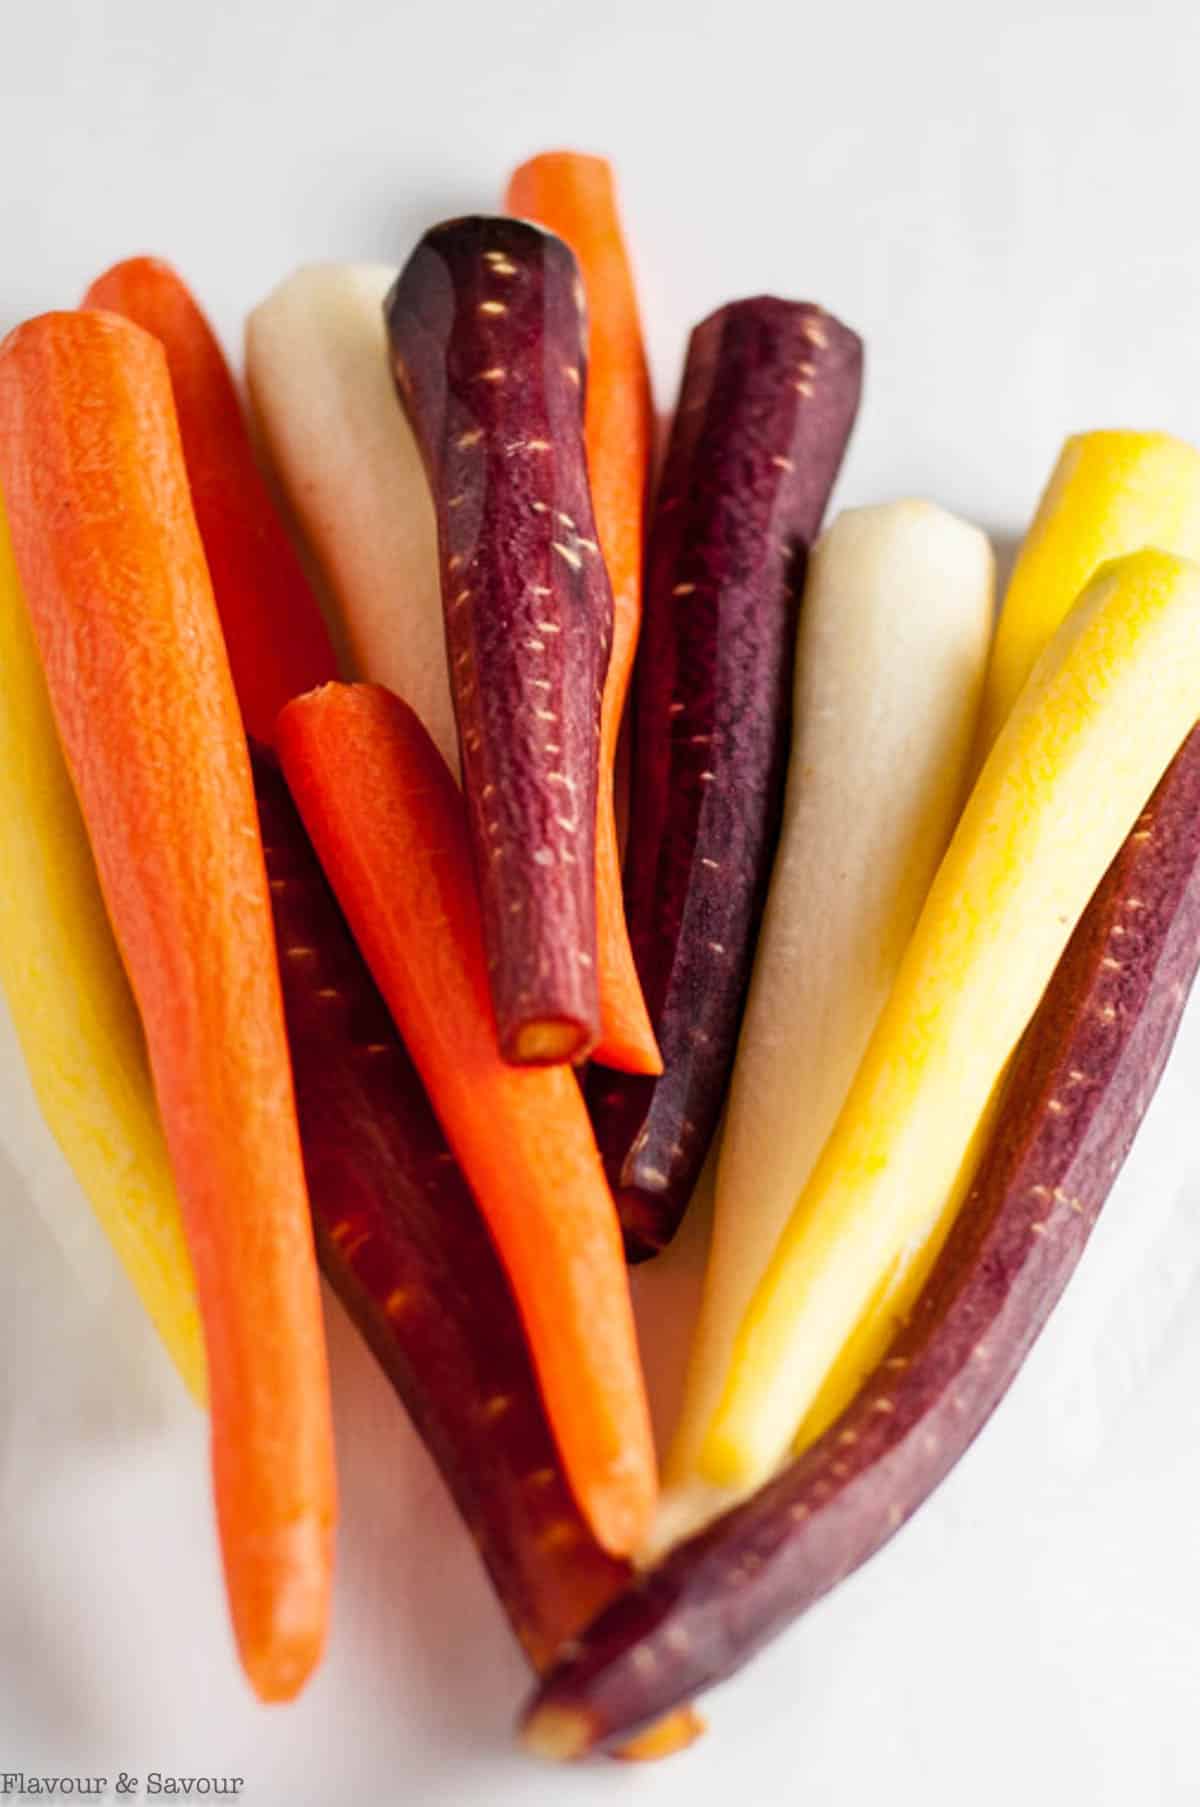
1083	1077
487	330
769	396
402	1243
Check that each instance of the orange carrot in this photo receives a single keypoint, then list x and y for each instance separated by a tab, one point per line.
112	565
388	825
574	196
275	634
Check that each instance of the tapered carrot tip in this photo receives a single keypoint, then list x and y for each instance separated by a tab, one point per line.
641	1215
280	1604
557	1734
623	1496
673	1733
564	1734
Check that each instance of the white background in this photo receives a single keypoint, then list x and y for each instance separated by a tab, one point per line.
1006	203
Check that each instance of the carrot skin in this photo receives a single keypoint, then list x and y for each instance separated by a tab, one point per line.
275	634
487	333
1111	1013
769	397
387	822
403	1245
574	196
112	565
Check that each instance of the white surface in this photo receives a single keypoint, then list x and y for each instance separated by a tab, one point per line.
1005	204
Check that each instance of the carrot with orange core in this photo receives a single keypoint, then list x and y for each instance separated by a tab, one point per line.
574	196
388	824
114	573
275	634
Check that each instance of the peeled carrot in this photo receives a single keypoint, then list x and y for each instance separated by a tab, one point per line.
321	388
111	562
275	635
401	1242
892	648
70	1001
574	196
1110	493
1100	718
388	824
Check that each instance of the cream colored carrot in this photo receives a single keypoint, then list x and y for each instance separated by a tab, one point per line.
317	369
893	641
1105	709
1110	493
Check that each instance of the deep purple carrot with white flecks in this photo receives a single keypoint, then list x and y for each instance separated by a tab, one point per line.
1080	1085
403	1245
487	331
769	396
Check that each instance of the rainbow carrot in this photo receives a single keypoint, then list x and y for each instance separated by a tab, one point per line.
389	828
403	1245
112	564
275	635
574	196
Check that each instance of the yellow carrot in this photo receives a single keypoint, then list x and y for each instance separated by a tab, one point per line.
893	1302
1109	494
1105	709
70	1001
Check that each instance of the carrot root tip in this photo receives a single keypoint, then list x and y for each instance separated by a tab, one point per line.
556	1734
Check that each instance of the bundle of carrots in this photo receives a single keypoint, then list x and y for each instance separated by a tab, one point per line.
905	927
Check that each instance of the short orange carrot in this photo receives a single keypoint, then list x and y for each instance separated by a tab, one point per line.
573	195
112	565
390	830
275	634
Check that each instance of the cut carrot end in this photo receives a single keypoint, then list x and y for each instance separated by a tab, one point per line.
667	1736
550	1043
556	1734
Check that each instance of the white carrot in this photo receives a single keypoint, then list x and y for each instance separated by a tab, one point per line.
317	368
893	642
